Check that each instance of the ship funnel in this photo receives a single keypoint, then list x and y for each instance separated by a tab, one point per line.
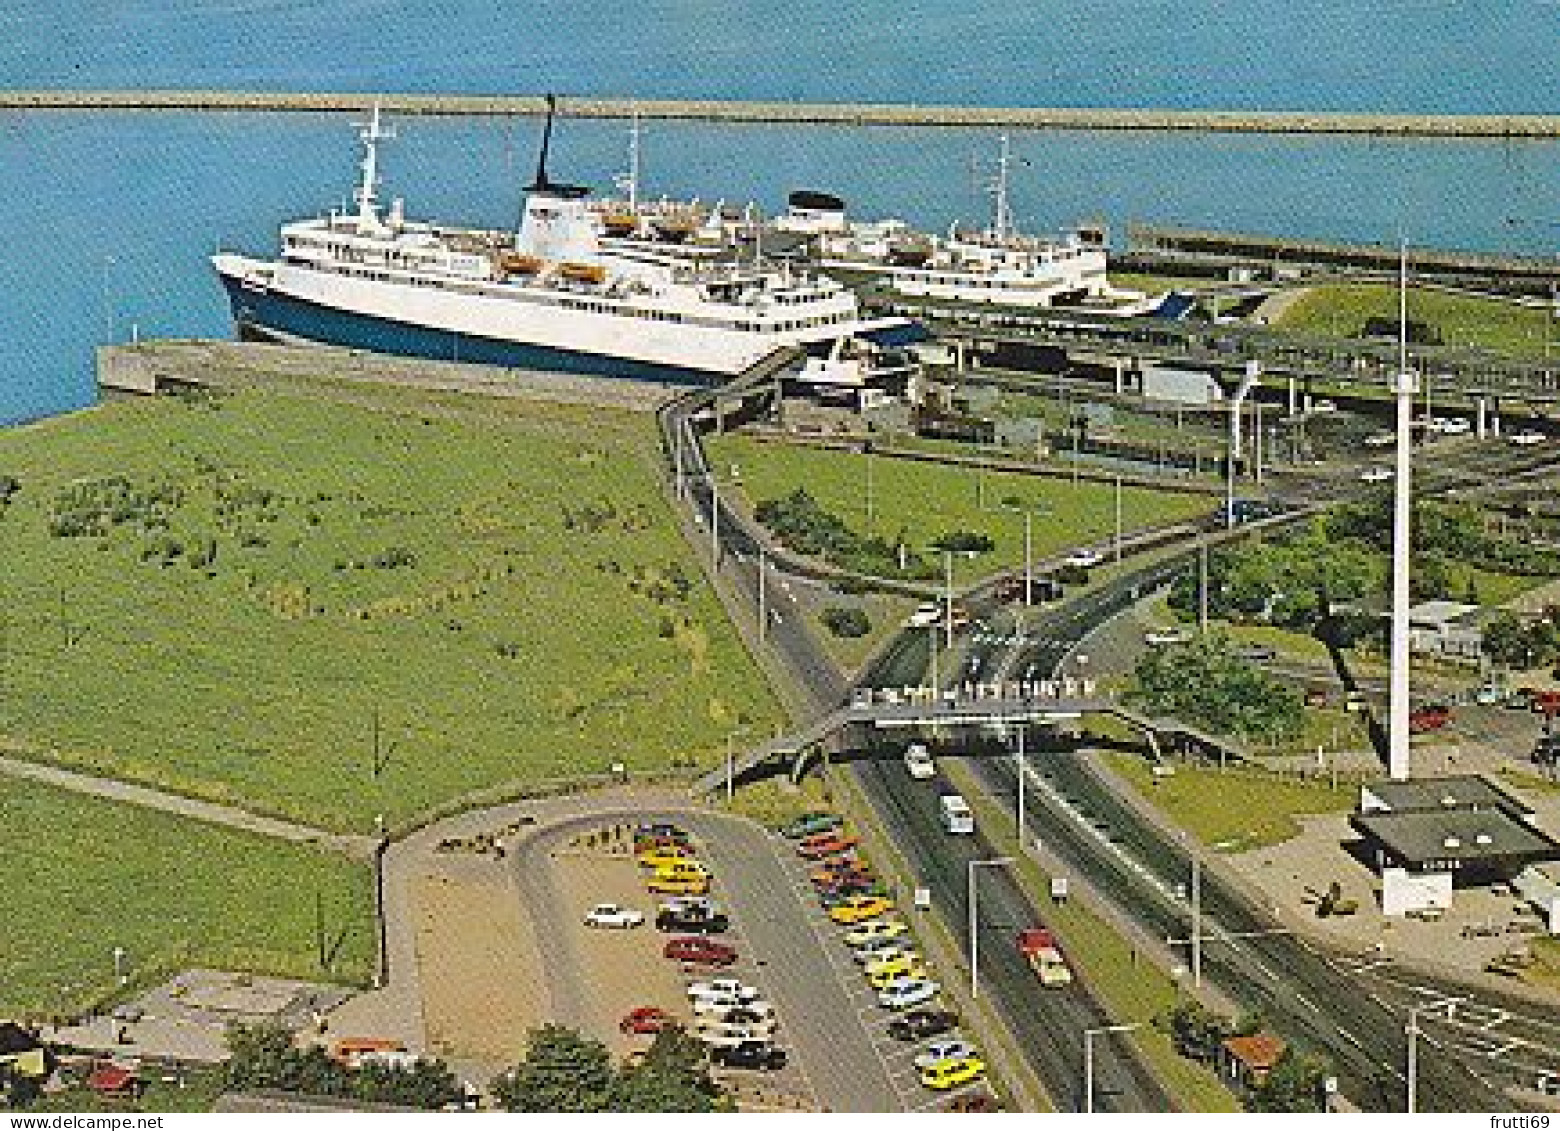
554	222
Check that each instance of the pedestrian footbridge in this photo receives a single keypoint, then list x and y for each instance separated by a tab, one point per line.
993	706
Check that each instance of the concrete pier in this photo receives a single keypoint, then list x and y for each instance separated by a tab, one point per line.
815	113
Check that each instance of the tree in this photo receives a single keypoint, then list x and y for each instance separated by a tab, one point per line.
1197	1032
846	621
964	542
673	1077
562	1071
1294	1084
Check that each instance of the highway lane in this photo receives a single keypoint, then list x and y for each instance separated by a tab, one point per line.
1048	1023
1298	988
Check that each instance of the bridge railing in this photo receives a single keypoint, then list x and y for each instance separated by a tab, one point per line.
1017	693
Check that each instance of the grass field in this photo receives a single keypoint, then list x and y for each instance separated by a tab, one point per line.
1341	310
89	875
256	588
1235	810
925	500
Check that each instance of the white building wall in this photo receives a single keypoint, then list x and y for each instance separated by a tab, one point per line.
1403	891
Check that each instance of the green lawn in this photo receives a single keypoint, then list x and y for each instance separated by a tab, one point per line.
925	500
1237	809
89	875
1341	310
502	585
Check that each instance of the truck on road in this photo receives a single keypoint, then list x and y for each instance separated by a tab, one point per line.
1038	945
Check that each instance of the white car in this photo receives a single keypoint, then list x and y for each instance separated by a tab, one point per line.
881	950
918	761
925	616
868	934
723	987
613	915
1527	439
1323	406
1085	559
1451	425
717	1033
1157	637
948	1048
1380	440
1376	475
907	994
722	1004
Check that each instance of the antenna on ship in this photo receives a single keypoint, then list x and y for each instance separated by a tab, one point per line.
629	182
1002	221
371	133
542	184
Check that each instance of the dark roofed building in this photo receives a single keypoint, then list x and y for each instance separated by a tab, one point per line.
1466	791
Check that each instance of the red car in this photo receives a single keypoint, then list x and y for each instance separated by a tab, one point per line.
826	844
1426	719
700	950
647	1019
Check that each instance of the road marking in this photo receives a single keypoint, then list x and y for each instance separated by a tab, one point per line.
1350	1037
1305	1001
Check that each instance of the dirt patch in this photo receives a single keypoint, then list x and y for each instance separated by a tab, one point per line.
620	969
482	992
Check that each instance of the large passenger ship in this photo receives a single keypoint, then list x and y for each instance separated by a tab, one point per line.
551	296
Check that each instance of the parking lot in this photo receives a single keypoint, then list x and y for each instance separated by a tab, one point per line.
839	1057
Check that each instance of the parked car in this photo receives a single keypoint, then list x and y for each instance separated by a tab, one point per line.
878	929
1157	637
728	1009
1527	438
1434	716
1376	475
860	908
924	616
692	921
919	763
1380	440
951	1074
1257	652
659	884
1488	694
699	950
760	1056
826	844
720	987
613	915
900	971
1084	559
918	1024
812	824
947	1048
905	995
661	854
718	1033
647	1019
883	950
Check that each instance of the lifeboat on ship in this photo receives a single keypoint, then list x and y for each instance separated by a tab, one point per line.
582	272
517	263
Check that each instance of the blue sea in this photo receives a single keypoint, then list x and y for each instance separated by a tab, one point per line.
109	217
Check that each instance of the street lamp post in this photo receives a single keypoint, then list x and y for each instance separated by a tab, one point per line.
1088	1058
1118	518
970	898
763	596
714	521
1022	767
1029	559
1412	1029
936	683
731	767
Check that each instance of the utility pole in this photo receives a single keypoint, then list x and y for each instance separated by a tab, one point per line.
1118	518
1412	1030
763	596
1202	584
731	767
714	522
1029	559
1402	527
936	683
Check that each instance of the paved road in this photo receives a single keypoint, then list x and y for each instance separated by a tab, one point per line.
833	1043
1048	1024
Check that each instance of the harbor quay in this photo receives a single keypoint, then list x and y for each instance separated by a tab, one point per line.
809	113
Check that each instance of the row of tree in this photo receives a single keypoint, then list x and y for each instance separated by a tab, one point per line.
1293	1085
264	1056
565	1072
1205	683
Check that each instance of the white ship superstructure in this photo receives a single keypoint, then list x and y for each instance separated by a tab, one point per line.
994	266
550	296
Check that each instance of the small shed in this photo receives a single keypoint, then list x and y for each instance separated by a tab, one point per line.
1247	1060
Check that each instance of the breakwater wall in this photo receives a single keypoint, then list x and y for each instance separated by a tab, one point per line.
815	113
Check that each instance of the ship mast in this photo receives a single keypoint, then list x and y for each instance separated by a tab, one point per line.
1002	221
371	133
629	182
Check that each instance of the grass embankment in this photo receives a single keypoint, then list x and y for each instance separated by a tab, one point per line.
885	611
1236	809
1342	309
199	1091
502	585
927	500
1195	432
1128	984
89	875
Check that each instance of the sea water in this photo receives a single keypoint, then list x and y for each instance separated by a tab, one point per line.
110	217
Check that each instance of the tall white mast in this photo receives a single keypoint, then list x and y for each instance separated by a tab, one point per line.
1402	527
1002	221
371	134
629	182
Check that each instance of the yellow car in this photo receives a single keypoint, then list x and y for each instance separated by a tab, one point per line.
899	961
671	868
897	972
878	929
860	908
679	885
946	1074
659	857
